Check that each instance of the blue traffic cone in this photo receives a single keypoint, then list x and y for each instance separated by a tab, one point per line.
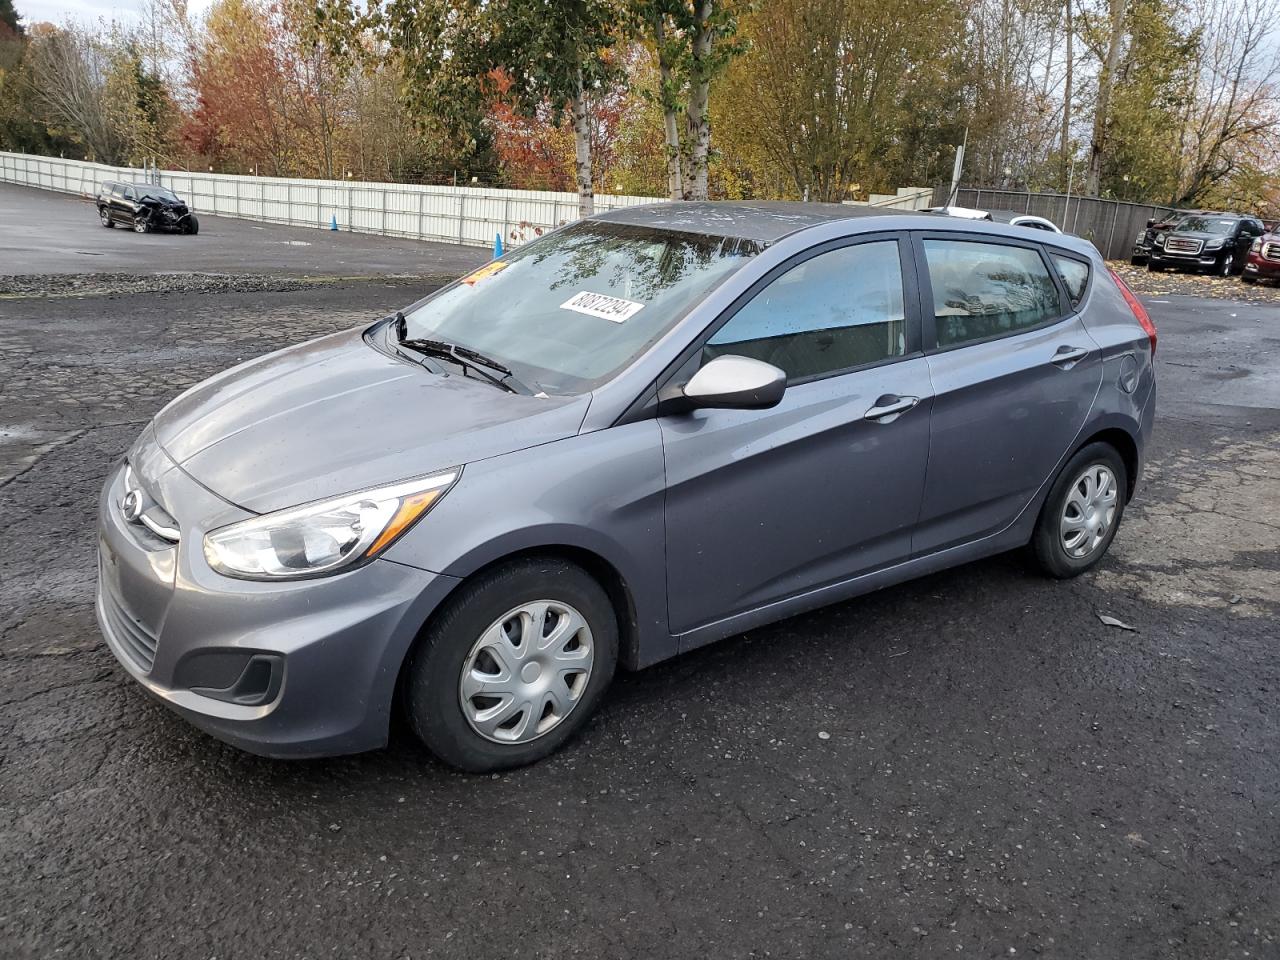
497	245
333	222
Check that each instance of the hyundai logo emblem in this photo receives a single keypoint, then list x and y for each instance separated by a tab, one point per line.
132	505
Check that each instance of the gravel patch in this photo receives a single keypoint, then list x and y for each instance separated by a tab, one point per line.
1149	284
50	286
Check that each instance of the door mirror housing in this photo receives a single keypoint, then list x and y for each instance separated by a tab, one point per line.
735	383
1151	223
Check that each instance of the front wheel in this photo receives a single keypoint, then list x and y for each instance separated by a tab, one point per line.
1223	267
193	225
1154	267
512	666
1082	513
1245	278
141	226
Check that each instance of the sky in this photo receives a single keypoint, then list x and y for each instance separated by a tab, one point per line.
58	11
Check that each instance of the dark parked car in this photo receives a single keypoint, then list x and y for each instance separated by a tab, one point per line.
1209	242
644	432
1263	261
1146	237
145	207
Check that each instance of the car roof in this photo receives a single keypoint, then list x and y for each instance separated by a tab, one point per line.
768	221
764	220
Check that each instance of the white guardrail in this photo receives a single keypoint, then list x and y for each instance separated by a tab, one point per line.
467	215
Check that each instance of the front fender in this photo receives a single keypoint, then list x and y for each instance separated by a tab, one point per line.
602	492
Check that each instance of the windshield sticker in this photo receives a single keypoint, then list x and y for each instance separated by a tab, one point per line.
602	305
488	270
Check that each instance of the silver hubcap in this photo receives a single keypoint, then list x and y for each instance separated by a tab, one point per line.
527	672
1089	512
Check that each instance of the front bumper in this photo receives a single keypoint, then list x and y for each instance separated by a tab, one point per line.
325	653
1256	266
1205	260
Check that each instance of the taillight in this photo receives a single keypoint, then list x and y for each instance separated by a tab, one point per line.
1139	311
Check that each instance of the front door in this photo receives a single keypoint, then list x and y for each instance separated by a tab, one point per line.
1015	374
763	505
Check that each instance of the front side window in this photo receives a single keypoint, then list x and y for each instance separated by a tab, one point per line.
983	290
838	310
569	311
1075	276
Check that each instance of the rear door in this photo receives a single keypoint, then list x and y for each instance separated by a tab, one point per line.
763	505
1014	374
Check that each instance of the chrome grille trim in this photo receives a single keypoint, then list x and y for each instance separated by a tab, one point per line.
1182	245
1271	251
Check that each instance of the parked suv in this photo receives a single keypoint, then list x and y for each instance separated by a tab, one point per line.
145	207
644	432
1146	237
1263	262
1210	242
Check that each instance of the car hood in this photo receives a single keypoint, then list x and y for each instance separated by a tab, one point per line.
1196	235
335	415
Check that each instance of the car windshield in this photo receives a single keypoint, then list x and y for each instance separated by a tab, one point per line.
158	193
570	310
1217	225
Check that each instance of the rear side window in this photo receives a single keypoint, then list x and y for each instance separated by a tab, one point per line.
984	290
838	310
1075	276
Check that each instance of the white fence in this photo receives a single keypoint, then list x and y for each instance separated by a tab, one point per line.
468	215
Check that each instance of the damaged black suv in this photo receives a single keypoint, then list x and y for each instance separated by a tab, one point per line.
145	207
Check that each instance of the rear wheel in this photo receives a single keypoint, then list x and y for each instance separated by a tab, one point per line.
1082	513
512	666
105	216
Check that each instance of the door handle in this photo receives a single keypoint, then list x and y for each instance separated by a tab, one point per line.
1068	357
888	407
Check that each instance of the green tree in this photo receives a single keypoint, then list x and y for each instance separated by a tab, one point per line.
695	41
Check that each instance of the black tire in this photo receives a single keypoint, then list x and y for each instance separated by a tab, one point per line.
432	676
1225	266
193	225
1046	543
1154	267
104	215
1137	261
1245	278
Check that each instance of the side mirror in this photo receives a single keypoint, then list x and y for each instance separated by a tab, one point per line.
1151	223
736	383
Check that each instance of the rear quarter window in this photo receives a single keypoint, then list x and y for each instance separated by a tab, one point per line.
1074	274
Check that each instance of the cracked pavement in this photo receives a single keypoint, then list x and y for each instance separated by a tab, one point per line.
1001	775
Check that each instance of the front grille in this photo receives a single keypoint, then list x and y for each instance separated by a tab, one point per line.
1271	251
1182	245
132	637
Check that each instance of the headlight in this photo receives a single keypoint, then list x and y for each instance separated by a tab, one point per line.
323	537
1141	239
1256	246
1213	244
1160	238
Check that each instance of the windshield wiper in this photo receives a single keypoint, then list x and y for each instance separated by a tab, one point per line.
464	357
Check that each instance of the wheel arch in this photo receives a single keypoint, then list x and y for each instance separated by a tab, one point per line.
599	567
1124	444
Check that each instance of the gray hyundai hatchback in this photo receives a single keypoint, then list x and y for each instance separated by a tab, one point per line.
641	433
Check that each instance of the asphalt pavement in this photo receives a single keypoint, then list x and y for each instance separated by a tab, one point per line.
970	765
43	232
